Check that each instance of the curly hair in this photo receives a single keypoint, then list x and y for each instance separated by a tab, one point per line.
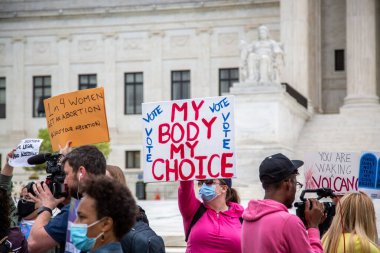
4	213
114	200
87	156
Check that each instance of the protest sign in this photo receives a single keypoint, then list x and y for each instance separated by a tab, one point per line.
369	174
77	116
189	139
26	149
336	170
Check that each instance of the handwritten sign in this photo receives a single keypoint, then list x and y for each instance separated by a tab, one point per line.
369	174
336	170
77	116
189	139
26	149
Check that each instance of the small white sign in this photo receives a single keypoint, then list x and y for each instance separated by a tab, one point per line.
26	149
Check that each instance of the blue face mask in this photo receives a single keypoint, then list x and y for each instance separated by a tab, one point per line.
79	237
207	193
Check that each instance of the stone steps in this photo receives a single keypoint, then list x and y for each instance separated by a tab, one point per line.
350	131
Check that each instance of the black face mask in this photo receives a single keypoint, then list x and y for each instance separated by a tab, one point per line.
24	207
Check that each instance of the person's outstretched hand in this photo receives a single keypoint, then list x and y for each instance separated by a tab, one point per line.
314	215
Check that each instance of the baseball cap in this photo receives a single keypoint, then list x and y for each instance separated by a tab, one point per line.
228	182
277	167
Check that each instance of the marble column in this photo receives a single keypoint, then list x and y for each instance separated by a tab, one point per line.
109	84
63	81
204	66
361	55
294	35
154	91
17	90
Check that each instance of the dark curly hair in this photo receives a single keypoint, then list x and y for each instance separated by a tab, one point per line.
5	221
87	156
112	199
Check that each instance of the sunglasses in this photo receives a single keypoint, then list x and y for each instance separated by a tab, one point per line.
208	182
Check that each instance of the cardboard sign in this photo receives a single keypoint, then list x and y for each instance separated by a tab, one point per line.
369	174
77	116
338	171
26	149
189	139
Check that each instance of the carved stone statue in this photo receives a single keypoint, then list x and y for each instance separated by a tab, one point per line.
261	61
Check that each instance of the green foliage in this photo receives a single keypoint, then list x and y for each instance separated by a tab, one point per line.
104	147
46	144
43	134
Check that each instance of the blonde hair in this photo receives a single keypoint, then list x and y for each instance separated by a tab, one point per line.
116	173
356	215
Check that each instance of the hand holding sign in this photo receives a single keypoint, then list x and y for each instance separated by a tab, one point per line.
26	149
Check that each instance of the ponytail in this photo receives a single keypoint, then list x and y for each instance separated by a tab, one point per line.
232	196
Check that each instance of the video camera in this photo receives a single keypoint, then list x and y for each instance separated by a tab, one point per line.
56	173
329	207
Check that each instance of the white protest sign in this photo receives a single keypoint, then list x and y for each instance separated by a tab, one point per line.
189	139
369	173
338	171
26	149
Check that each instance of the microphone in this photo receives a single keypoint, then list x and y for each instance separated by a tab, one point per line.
38	159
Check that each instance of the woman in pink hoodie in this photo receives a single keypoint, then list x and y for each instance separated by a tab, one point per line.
218	230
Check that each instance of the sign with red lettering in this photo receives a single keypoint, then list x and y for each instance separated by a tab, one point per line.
190	139
338	171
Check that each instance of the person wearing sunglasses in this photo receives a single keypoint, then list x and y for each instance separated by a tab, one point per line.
212	225
268	226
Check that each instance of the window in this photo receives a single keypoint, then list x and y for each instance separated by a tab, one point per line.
132	159
226	78
180	84
339	60
2	98
133	93
41	91
87	81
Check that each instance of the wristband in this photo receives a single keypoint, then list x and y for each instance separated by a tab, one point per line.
43	209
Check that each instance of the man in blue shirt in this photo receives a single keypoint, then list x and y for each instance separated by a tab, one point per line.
49	232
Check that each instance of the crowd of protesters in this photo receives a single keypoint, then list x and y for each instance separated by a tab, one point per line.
99	213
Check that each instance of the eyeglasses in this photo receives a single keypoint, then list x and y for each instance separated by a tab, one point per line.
299	186
208	182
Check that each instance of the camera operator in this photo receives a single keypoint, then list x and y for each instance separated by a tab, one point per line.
47	233
268	226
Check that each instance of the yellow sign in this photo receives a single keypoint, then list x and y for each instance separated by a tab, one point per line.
78	116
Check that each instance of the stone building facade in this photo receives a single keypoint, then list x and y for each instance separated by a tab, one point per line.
147	50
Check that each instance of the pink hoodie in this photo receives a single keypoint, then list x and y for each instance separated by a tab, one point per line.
268	227
213	232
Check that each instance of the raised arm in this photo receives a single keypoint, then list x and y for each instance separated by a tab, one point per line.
6	183
187	202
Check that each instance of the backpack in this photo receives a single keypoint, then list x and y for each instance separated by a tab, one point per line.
198	214
14	242
141	238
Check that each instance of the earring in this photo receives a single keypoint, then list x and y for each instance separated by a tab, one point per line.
102	238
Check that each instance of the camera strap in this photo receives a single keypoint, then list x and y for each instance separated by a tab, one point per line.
5	246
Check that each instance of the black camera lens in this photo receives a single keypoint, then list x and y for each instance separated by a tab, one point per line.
29	188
